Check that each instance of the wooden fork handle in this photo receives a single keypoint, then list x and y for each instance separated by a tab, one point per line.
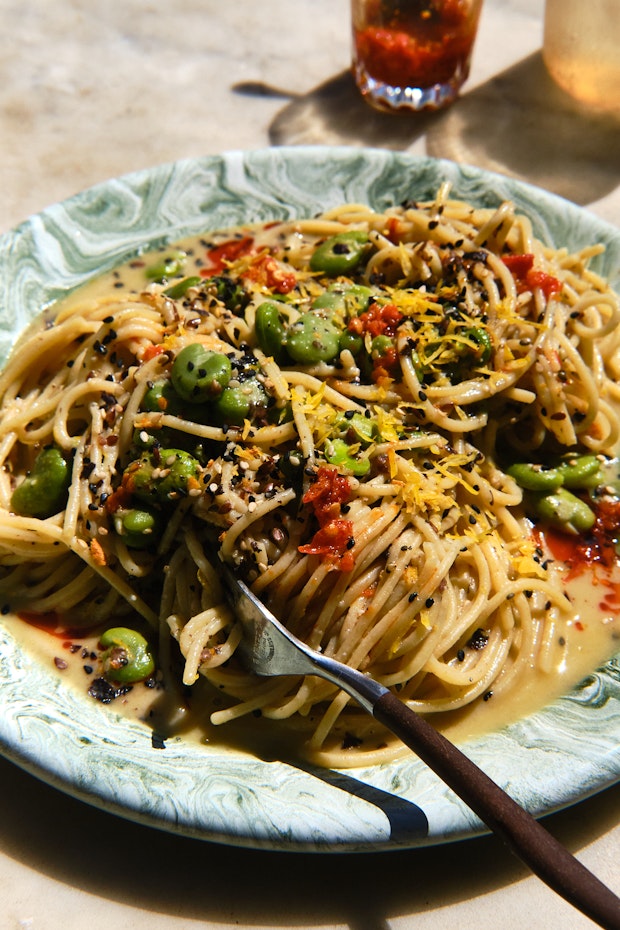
527	838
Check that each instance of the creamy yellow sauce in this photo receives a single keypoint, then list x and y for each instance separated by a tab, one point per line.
590	637
587	641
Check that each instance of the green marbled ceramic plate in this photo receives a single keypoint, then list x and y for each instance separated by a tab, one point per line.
547	761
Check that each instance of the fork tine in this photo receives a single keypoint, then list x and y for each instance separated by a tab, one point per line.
270	649
267	647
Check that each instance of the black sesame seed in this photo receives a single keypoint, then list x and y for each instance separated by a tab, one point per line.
478	639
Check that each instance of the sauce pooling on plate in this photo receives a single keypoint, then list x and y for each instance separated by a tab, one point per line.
400	428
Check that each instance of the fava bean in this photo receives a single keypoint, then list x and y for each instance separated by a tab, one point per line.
167	267
340	254
291	465
198	374
363	428
232	294
418	367
484	344
137	528
270	329
162	398
566	511
279	415
180	289
236	404
312	339
43	492
337	452
343	298
127	657
582	471
535	477
379	346
351	342
152	437
164	476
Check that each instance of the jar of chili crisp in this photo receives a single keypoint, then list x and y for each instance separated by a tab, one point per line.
412	54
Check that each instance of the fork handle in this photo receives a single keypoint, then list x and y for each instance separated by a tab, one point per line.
527	838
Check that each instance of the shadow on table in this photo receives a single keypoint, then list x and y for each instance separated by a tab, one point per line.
142	868
518	123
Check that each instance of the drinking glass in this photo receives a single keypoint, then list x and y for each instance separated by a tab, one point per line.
412	54
581	50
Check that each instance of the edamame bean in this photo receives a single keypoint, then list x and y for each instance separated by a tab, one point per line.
535	477
162	476
43	492
137	528
582	471
566	511
127	657
198	374
340	254
312	339
270	329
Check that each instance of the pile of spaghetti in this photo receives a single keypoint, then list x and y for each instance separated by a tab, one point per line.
335	407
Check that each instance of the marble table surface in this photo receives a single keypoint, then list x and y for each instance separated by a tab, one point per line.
91	89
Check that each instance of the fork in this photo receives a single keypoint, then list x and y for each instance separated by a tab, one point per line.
269	649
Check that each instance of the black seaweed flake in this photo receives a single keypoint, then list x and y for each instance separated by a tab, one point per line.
105	692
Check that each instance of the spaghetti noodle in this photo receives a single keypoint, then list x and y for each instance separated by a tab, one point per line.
370	415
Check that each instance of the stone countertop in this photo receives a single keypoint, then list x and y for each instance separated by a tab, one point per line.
91	89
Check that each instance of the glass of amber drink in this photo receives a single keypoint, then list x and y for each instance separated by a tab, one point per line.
412	54
581	49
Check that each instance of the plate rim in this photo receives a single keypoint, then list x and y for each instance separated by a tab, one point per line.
375	832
